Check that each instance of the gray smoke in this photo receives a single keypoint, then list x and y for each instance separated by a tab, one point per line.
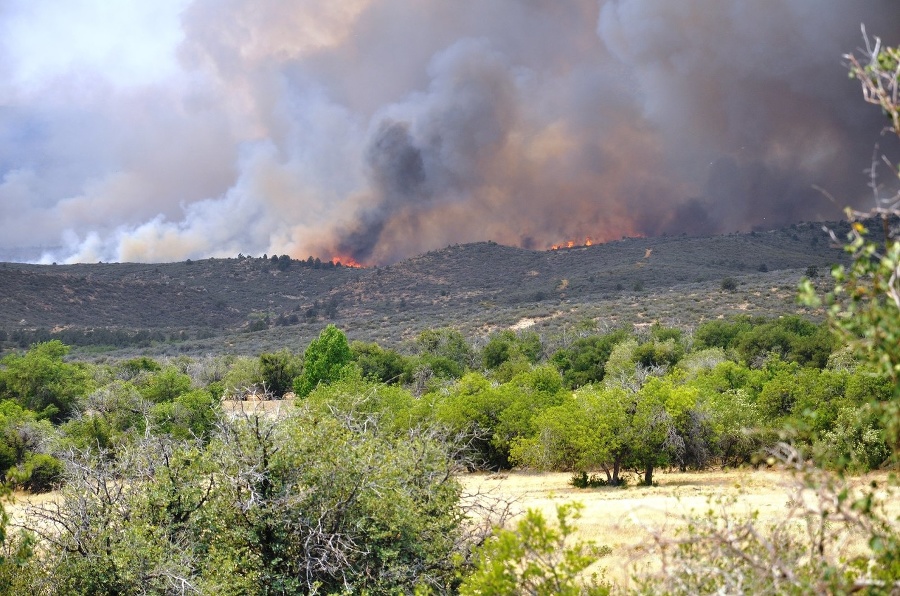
436	153
379	129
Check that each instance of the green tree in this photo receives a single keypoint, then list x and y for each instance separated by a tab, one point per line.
242	376
377	363
39	473
391	406
473	407
111	416
653	431
42	381
22	436
445	352
495	416
586	432
585	360
164	385
737	427
134	367
191	415
508	345
720	334
324	361
278	371
659	353
793	338
779	394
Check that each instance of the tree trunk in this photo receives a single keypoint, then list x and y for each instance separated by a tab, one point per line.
610	479
648	475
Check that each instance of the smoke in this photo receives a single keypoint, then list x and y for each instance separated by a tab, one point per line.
756	91
379	129
429	152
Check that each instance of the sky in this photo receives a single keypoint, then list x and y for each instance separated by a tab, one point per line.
376	130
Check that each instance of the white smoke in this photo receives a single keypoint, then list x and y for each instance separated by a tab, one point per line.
382	128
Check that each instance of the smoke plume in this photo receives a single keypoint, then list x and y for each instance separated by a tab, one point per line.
379	129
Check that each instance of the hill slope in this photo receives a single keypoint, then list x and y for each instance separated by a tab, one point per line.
248	304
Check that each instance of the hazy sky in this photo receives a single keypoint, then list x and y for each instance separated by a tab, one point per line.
379	129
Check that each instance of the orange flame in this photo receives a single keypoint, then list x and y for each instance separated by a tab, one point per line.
573	243
347	262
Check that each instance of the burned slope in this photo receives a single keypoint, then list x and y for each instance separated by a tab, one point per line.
285	302
490	272
193	298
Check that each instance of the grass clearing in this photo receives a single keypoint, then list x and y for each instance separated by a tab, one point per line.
625	519
18	503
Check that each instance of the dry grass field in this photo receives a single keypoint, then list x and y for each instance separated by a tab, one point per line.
625	519
273	408
19	502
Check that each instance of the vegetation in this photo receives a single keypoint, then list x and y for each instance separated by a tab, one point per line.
249	493
353	488
534	558
250	306
324	361
734	554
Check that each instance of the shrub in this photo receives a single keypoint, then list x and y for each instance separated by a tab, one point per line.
41	381
582	480
305	504
585	360
379	364
535	558
165	385
40	473
278	370
324	360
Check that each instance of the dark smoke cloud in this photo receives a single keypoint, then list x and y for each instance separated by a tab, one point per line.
398	175
758	90
378	129
436	155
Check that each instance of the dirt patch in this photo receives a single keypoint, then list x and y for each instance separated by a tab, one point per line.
273	408
524	323
17	506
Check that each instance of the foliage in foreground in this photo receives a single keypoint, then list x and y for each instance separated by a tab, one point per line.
833	539
537	558
309	504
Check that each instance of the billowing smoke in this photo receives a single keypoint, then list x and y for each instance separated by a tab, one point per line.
378	129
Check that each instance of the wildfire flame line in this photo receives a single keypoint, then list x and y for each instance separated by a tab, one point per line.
347	262
572	244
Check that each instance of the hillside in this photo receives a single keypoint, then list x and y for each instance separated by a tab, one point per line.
247	304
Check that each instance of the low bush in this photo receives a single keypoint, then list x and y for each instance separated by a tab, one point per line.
582	480
40	473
